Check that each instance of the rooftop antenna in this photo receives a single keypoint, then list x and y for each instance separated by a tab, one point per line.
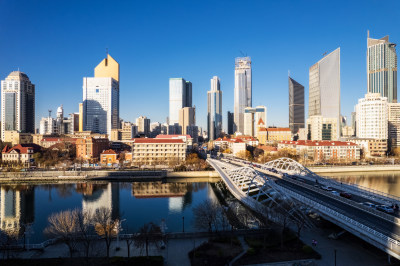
324	53
50	112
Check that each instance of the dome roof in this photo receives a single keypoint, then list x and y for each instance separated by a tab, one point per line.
18	75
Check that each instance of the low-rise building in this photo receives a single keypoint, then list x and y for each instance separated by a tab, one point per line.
109	157
14	137
186	138
47	142
323	150
156	151
20	154
371	147
90	148
322	128
273	134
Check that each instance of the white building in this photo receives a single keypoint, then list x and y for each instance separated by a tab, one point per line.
243	92
254	119
143	125
372	117
47	126
100	104
180	95
324	90
17	104
322	128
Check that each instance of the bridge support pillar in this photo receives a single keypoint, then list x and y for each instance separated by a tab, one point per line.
389	259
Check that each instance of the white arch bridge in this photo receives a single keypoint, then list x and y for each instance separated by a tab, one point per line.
264	186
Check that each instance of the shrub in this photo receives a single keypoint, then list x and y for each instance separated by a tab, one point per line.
251	251
307	249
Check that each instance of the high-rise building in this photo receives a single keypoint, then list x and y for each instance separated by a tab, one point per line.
230	123
143	125
296	106
47	126
322	128
242	95
187	119
214	117
81	127
394	124
17	104
372	117
382	67
101	98
180	95
324	90
257	116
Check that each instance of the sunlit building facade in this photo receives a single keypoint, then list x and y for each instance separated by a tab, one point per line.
296	106
214	118
243	91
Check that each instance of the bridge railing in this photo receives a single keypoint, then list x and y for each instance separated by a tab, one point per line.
355	225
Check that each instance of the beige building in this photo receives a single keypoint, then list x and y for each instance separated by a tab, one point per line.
14	137
187	118
157	151
274	134
347	131
322	128
371	147
20	154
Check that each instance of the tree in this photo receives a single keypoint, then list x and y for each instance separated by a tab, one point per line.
129	241
84	221
8	237
63	225
148	234
105	226
207	215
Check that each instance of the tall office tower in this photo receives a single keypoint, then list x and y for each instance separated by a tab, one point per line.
214	117
187	119
242	95
230	123
372	117
143	125
257	116
101	98
394	124
382	67
296	106
17	104
324	90
180	95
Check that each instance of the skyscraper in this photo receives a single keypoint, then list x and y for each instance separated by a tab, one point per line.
242	95
382	67
324	90
187	119
214	118
372	117
230	123
143	125
296	105
17	104
101	98
180	95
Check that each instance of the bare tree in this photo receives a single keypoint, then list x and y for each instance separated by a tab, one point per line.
63	225
207	215
105	226
8	237
85	230
129	241
148	234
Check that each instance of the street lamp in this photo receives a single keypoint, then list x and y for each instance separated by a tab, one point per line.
183	224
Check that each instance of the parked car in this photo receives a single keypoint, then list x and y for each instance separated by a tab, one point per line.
334	192
368	204
385	208
345	195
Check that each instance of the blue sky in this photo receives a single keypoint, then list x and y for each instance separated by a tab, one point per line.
57	43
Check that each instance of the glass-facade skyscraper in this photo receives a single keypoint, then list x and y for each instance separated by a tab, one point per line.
101	98
18	104
296	106
324	88
382	68
242	94
180	95
214	118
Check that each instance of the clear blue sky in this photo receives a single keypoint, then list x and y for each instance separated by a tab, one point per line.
57	43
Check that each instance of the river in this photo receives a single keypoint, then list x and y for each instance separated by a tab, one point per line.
135	203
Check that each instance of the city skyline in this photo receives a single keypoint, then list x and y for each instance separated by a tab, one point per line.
268	83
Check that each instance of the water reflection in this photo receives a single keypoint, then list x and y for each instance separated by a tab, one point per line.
137	202
387	182
17	208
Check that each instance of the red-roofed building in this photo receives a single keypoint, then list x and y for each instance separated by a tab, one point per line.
324	150
274	134
160	150
46	142
186	138
21	153
91	148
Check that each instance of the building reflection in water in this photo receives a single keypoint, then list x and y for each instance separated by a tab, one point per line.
98	195
17	208
179	194
386	182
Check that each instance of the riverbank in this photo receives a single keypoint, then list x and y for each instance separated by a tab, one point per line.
355	168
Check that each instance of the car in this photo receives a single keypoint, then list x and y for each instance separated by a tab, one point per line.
327	188
334	192
317	186
385	208
368	204
345	195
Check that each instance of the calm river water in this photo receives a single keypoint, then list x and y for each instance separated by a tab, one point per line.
138	203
